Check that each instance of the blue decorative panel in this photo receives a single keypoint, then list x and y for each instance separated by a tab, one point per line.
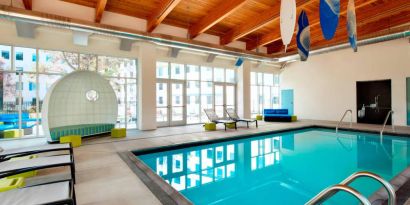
329	17
351	25
303	36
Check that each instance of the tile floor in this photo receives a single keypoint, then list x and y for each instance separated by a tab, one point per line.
104	178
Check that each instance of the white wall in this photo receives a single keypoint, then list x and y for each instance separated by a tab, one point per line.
325	85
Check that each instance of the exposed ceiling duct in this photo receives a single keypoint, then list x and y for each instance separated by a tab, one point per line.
126	44
26	30
173	52
81	38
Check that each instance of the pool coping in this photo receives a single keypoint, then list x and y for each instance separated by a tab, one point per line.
166	194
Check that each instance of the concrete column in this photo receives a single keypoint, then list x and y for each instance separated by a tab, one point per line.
146	87
244	90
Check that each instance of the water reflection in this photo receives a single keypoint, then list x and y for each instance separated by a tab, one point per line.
197	166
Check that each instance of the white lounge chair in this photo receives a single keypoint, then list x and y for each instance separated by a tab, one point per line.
51	193
10	168
6	154
213	117
234	116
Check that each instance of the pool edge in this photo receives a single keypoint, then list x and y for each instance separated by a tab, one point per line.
168	195
164	192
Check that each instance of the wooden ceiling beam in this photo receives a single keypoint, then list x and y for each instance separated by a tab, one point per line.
99	10
257	22
314	21
160	13
28	4
213	17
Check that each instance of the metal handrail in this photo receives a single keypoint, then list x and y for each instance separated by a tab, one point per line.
328	192
344	115
385	122
389	188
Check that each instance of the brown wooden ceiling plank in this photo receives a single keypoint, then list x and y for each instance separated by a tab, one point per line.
99	10
28	4
160	13
257	22
275	36
216	15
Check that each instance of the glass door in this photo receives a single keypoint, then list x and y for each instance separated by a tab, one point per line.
219	99
177	104
230	96
170	103
225	97
162	103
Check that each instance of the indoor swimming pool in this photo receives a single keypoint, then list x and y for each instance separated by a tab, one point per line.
282	168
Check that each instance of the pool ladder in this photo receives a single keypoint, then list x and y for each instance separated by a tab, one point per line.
343	117
390	113
344	186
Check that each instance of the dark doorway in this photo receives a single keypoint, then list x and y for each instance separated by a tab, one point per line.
373	101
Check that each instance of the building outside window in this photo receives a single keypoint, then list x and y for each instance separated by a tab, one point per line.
23	87
19	56
264	92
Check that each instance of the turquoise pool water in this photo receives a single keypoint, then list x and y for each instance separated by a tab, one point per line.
283	168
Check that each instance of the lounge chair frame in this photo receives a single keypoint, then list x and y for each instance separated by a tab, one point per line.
25	152
71	164
238	119
217	120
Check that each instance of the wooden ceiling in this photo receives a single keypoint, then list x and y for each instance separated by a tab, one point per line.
255	22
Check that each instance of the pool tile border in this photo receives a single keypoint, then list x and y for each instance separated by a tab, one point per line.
165	193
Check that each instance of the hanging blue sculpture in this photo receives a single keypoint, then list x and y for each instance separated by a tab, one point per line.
351	25
329	17
303	36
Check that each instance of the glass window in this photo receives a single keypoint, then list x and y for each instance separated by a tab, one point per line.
5	55
192	72
206	73
260	78
219	74
57	62
19	56
268	79
206	98
162	70
5	62
193	104
253	78
230	76
276	80
177	71
132	107
88	62
25	63
118	84
117	67
264	92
